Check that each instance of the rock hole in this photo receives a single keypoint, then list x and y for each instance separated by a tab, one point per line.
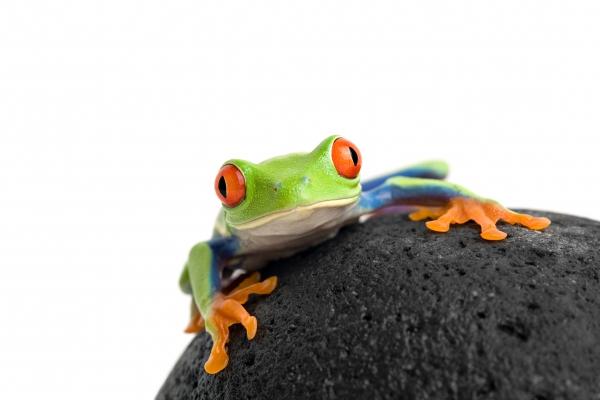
249	359
515	328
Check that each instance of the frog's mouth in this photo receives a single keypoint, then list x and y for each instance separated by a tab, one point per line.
298	213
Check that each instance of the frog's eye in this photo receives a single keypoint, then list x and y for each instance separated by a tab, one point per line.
346	158
230	185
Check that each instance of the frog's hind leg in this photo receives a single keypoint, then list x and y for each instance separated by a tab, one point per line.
226	310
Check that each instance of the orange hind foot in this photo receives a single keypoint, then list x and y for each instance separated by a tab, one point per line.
486	213
196	323
227	310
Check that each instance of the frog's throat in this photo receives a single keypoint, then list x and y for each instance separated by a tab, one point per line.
276	215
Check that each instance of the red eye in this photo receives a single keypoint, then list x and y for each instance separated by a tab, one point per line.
346	158
230	185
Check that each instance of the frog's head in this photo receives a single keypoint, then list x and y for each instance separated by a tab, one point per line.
325	177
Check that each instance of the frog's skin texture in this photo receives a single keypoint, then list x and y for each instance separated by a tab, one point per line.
283	205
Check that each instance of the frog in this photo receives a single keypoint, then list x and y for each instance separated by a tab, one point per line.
284	205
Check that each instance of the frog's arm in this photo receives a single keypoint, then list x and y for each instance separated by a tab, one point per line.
447	203
211	308
427	169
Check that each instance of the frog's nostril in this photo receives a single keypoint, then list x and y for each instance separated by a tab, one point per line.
277	186
305	180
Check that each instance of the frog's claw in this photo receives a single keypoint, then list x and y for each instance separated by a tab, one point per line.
226	310
484	212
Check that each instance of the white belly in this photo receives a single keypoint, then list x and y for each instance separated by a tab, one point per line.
292	231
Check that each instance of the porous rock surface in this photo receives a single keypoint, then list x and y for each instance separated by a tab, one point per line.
390	310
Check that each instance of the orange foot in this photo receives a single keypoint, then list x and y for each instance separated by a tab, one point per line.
196	323
485	213
227	310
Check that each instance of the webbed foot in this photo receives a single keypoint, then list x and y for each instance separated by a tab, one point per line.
226	310
486	213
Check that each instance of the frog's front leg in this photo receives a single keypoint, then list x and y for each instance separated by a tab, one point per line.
218	310
448	204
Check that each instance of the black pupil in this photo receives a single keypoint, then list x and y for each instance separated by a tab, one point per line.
223	187
354	156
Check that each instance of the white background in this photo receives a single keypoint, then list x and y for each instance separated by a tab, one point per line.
115	116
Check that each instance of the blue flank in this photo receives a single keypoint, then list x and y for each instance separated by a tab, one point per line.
221	249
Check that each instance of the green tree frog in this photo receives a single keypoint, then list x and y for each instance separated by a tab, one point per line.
283	205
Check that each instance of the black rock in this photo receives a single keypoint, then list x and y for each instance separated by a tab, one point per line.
390	310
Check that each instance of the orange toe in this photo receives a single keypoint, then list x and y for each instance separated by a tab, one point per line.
216	363
251	324
538	223
438	226
493	234
217	360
